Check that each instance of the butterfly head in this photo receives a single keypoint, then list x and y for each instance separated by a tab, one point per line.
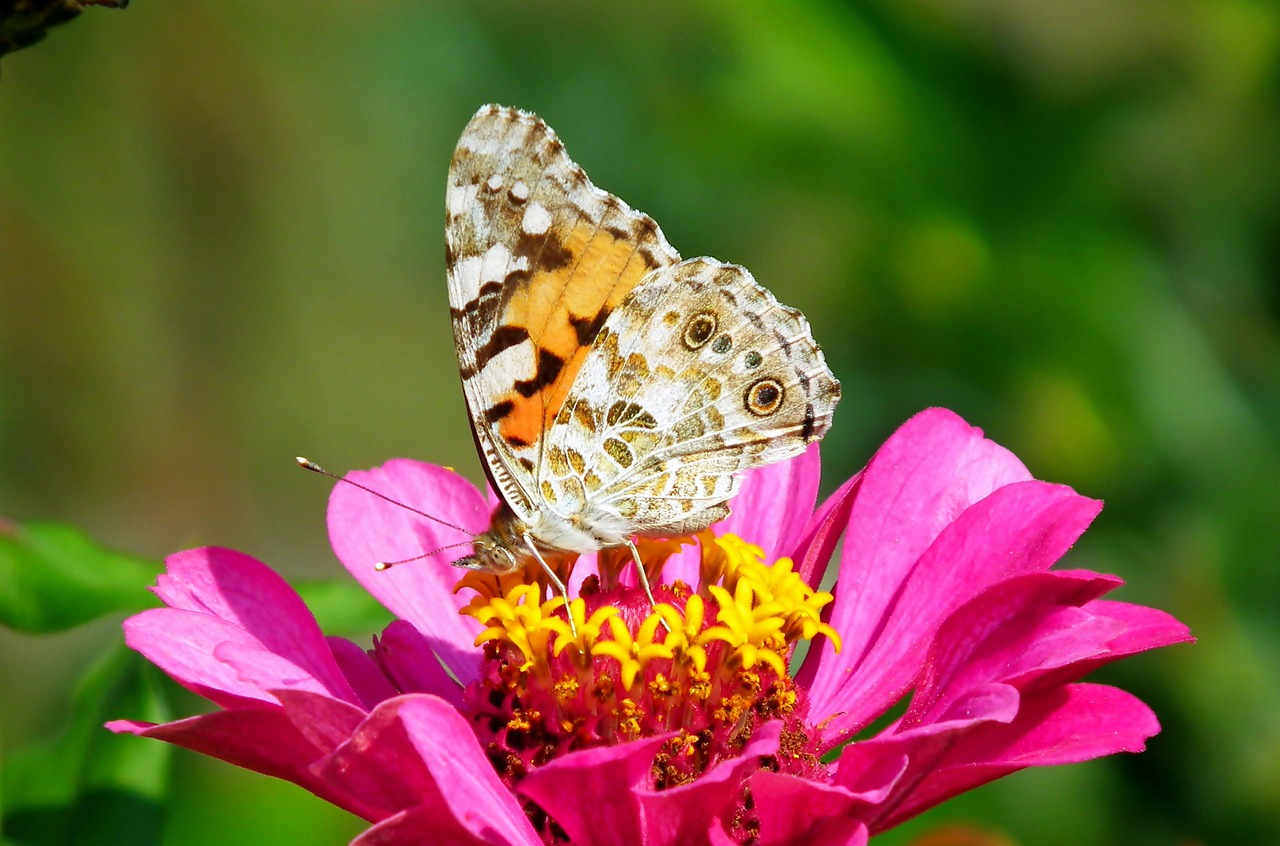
501	548
492	555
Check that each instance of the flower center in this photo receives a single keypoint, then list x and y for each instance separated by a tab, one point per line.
708	665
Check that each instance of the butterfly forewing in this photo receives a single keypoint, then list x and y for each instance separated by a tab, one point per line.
538	259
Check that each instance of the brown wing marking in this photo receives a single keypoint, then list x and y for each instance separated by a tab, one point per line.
564	308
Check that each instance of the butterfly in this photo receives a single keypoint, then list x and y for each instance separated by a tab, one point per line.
614	389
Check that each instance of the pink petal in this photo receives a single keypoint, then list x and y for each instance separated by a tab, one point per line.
794	810
1065	725
183	644
268	671
1022	527
586	565
989	700
680	815
1141	629
262	740
719	837
812	550
1033	631
775	502
365	530
407	658
1075	642
866	761
928	472
874	774
1017	627
362	672
617	772
248	595
326	722
421	825
418	752
1058	726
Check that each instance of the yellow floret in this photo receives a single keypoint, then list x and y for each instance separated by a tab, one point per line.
588	629
683	630
520	619
633	654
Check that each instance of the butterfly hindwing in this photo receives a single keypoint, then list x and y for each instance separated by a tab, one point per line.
699	375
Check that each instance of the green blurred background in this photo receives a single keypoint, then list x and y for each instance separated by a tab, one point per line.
221	246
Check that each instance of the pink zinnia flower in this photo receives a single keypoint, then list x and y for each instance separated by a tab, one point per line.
688	723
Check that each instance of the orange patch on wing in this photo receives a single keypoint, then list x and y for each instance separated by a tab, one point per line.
561	305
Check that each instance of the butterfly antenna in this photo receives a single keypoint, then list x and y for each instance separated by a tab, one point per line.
307	464
387	565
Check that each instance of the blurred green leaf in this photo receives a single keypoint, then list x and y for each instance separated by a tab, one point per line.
25	22
88	786
52	578
343	607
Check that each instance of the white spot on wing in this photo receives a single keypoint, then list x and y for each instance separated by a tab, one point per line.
459	197
496	264
537	220
520	191
466	274
495	183
511	365
489	139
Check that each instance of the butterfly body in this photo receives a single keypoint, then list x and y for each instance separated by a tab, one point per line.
614	389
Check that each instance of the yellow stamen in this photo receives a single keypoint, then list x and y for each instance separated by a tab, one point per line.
752	633
633	654
683	630
521	619
709	661
586	631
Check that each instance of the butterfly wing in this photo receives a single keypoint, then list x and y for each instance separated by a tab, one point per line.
538	259
699	374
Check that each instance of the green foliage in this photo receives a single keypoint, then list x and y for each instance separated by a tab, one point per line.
87	786
26	22
343	607
52	578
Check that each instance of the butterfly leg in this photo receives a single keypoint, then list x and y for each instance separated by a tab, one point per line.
557	581
644	577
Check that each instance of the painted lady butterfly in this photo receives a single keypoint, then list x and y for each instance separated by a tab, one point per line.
614	390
